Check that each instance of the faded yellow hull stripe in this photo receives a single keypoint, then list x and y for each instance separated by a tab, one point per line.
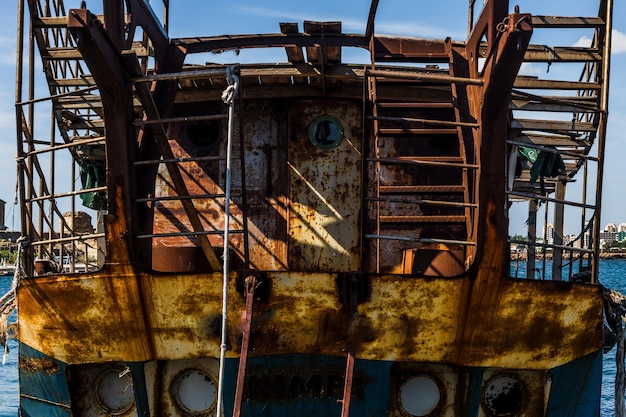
531	324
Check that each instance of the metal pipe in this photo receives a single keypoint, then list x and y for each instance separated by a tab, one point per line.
229	97
604	103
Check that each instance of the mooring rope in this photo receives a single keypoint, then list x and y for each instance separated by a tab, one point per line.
228	97
615	315
8	302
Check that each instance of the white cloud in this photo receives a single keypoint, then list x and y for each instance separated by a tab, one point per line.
618	45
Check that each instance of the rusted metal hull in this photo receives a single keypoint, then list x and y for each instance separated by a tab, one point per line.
117	317
332	240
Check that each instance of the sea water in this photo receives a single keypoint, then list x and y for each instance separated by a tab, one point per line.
9	399
612	275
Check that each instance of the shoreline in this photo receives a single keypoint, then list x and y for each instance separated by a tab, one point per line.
566	255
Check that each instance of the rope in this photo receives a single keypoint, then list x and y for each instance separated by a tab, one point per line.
615	314
228	97
8	302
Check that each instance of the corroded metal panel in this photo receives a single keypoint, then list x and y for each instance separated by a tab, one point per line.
264	154
324	190
531	324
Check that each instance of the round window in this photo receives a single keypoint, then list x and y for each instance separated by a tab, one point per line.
421	396
503	396
326	132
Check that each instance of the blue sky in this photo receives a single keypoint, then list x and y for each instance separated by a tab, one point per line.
406	17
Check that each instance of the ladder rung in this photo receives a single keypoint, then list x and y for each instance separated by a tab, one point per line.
442	161
436	122
422	219
187	234
423	202
535	83
421	105
180	198
541	53
423	189
70	53
85	81
552	125
417	131
566	22
424	76
421	239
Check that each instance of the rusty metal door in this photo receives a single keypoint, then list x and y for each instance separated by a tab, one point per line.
324	158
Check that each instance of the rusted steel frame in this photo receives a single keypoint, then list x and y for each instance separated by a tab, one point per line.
182	119
500	72
492	260
114	21
604	103
244	193
407	49
196	234
371	17
52	196
550	245
494	12
19	126
414	160
555	151
108	71
245	343
426	77
425	202
55	96
181	75
420	239
176	198
225	43
65	145
428	121
549	100
294	54
34	166
141	14
68	239
458	67
179	160
160	136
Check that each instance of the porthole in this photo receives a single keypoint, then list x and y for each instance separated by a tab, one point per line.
326	132
114	391
194	392
503	396
203	134
421	396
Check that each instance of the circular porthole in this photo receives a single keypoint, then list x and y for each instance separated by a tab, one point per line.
326	132
421	396
504	396
114	391
194	392
203	134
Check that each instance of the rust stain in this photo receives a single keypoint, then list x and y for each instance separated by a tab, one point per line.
37	365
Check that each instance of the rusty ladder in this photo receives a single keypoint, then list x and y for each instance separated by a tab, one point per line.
430	187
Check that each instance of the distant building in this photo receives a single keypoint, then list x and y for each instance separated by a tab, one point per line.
622	227
2	205
549	233
606	237
611	227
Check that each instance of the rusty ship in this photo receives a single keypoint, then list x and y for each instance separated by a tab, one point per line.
309	237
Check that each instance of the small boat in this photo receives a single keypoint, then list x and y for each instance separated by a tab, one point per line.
314	236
